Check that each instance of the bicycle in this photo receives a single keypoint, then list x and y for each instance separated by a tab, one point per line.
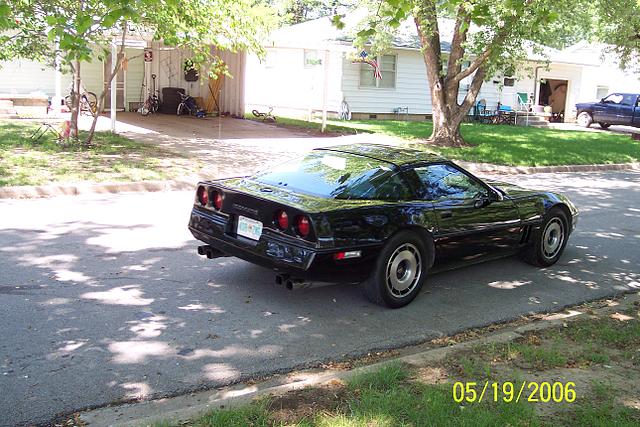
152	103
187	105
266	117
88	102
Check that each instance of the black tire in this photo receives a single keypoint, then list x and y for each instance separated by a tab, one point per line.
396	258
545	254
585	119
604	125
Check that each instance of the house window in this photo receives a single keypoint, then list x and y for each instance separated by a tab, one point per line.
602	91
387	67
312	58
509	82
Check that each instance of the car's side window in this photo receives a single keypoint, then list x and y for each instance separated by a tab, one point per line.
628	99
614	98
441	181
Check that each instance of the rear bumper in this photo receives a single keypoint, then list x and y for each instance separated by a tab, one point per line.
280	253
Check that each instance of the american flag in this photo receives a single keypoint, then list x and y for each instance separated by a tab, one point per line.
377	72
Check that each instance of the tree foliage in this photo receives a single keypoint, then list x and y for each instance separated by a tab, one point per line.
297	11
618	25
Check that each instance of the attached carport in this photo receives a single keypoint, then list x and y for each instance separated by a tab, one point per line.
29	79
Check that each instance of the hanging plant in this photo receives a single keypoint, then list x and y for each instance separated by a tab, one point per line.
190	71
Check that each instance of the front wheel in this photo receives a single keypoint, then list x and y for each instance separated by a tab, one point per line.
585	119
399	273
549	242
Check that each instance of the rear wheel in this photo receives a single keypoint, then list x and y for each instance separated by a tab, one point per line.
604	125
548	243
585	119
399	272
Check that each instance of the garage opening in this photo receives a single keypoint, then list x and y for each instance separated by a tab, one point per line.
553	93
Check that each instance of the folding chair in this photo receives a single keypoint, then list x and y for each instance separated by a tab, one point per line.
60	133
482	114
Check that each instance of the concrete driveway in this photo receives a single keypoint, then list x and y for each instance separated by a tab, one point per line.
103	298
227	146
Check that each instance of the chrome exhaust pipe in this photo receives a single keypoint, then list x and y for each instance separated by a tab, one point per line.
281	279
210	252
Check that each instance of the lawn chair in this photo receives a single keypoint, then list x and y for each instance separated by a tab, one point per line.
524	102
482	114
525	105
506	115
61	133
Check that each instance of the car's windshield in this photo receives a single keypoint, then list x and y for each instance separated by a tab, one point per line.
338	175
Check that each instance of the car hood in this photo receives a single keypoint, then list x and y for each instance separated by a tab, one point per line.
583	105
548	198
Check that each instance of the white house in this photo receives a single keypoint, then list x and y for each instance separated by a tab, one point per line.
310	66
22	81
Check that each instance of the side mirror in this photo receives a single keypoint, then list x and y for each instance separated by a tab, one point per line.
482	201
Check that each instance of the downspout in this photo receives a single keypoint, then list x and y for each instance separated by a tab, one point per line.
535	85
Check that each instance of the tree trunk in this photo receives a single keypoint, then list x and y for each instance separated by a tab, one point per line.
75	101
447	112
446	126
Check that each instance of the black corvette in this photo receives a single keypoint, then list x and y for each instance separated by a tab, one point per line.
375	214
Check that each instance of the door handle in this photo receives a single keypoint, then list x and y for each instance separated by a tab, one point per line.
446	214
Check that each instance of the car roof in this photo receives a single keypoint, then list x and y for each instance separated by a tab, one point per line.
398	156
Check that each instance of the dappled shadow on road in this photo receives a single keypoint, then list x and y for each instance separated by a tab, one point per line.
128	311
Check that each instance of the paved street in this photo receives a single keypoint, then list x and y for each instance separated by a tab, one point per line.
103	298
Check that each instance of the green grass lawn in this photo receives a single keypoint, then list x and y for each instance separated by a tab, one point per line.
111	158
398	395
501	144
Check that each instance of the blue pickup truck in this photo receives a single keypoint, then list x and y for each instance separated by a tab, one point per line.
613	109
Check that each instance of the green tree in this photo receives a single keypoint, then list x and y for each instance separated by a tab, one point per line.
618	24
82	30
489	37
297	11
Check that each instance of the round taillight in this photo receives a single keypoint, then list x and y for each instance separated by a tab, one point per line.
303	225
203	196
217	200
282	220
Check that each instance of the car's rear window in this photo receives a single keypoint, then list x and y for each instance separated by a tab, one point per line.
338	175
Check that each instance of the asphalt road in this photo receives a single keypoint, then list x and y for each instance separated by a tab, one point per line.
104	298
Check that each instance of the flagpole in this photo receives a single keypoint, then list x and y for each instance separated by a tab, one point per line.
325	90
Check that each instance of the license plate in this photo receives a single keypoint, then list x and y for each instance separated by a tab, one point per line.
249	228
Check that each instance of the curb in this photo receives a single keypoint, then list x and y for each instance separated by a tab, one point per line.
53	190
514	170
180	408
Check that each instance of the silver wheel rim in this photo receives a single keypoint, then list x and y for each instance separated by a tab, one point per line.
583	119
404	269
552	238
